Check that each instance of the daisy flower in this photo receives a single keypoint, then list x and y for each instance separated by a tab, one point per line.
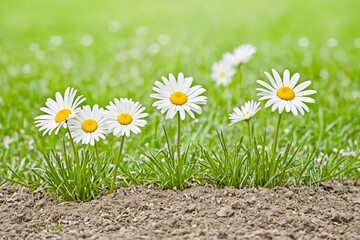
58	111
178	96
88	125
124	116
222	73
284	94
241	54
245	112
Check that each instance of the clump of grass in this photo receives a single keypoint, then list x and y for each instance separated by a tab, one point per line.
253	166
315	169
84	181
166	171
242	166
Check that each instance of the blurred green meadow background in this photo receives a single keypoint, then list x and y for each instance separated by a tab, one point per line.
113	49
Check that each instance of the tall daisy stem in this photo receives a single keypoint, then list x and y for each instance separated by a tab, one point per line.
76	156
249	131
112	188
97	154
240	74
272	164
178	153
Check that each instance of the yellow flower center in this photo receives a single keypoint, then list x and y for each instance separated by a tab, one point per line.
286	93
178	98
89	125
62	115
124	119
222	74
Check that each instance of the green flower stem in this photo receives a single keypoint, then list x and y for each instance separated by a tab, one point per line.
77	162
272	163
178	153
76	156
97	155
249	130
112	188
240	75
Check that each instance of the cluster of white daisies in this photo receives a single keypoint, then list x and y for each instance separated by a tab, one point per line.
174	96
224	70
122	116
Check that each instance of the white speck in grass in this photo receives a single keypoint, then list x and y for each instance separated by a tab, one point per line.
286	130
141	31
26	68
125	159
154	48
259	147
67	63
196	120
146	144
55	41
322	157
163	160
335	150
7	140
114	26
357	43
163	39
332	42
34	47
324	74
87	40
31	144
303	42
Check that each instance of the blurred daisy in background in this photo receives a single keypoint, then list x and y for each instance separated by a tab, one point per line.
284	94
58	111
177	96
88	125
222	73
124	116
245	112
241	54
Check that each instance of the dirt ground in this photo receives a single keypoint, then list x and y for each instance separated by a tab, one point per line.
331	211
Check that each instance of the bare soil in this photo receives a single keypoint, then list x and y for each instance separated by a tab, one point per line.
331	211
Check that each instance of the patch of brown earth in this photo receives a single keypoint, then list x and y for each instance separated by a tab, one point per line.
331	211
